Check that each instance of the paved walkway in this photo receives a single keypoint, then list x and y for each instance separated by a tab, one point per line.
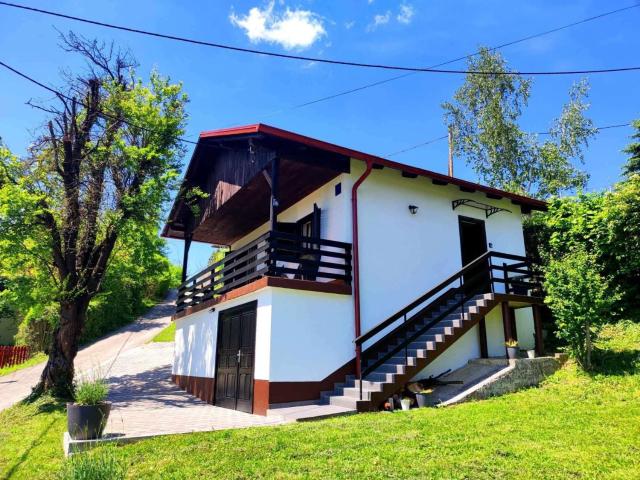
17	385
145	402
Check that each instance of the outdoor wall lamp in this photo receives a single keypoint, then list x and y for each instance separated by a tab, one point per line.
413	209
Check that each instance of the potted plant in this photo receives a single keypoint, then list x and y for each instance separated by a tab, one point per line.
422	397
512	348
405	403
87	416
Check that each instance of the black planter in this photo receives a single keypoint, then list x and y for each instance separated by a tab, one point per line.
512	353
86	422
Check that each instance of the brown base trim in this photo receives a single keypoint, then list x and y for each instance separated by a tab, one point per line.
339	288
260	397
285	392
201	387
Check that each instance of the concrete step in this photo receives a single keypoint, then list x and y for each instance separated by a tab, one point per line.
381	377
390	368
342	401
369	385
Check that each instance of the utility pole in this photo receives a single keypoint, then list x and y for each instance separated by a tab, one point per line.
450	151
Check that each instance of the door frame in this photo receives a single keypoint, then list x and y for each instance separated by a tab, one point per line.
479	221
253	305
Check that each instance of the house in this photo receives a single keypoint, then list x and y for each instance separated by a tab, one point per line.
342	268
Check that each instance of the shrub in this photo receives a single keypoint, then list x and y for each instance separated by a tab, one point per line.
580	299
91	391
101	464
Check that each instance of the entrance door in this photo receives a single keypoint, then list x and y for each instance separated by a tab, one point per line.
473	243
235	357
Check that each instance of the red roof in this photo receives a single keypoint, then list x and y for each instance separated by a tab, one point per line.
366	157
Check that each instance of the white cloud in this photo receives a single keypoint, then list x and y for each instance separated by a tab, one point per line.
406	13
379	19
291	29
349	25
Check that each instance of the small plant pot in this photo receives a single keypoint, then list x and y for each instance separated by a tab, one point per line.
87	422
405	403
421	399
512	353
531	354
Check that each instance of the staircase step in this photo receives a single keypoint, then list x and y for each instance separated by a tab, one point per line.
343	401
390	368
369	385
381	377
355	393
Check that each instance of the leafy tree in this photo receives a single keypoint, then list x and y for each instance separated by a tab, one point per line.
607	225
633	163
580	299
104	163
484	116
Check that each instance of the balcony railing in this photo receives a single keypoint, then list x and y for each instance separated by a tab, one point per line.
274	254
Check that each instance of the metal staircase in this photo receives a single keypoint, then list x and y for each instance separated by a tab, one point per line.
397	349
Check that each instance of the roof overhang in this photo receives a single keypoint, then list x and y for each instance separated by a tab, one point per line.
261	130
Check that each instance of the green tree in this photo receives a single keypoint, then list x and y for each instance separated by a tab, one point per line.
106	162
484	116
580	299
633	149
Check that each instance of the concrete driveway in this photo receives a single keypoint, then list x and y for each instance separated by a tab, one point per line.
16	386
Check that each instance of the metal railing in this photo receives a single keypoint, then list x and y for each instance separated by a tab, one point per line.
492	272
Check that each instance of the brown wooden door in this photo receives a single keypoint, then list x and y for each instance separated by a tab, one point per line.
235	358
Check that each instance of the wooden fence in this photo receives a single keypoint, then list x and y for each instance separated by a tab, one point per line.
10	355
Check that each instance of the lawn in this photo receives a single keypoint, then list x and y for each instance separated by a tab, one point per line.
34	360
167	334
574	426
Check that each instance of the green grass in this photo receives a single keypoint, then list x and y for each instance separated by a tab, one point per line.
576	425
167	334
34	360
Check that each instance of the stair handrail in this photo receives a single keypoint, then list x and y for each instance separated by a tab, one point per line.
441	286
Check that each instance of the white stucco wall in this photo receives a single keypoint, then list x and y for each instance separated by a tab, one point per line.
495	333
403	255
335	214
196	336
457	355
311	334
525	328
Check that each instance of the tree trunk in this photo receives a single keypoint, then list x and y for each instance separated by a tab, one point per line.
57	376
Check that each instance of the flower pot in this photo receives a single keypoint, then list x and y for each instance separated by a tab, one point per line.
87	422
512	353
405	403
531	354
421	398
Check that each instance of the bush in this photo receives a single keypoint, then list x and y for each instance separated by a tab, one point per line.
580	299
101	464
91	391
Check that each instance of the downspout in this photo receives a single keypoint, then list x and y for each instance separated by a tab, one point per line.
356	259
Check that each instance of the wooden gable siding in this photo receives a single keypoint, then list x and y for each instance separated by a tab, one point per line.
227	172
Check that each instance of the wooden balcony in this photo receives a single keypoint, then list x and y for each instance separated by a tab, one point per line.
274	254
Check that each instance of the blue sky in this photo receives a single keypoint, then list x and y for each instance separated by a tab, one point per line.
227	89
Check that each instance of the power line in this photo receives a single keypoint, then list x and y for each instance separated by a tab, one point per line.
316	59
454	60
186	140
429	142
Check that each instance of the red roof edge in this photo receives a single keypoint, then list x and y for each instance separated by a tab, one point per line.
313	142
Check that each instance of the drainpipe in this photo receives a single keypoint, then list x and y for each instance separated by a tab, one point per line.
356	259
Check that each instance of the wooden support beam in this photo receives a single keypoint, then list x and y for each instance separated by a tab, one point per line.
273	208
537	325
409	174
507	324
439	182
185	255
377	166
467	189
482	337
